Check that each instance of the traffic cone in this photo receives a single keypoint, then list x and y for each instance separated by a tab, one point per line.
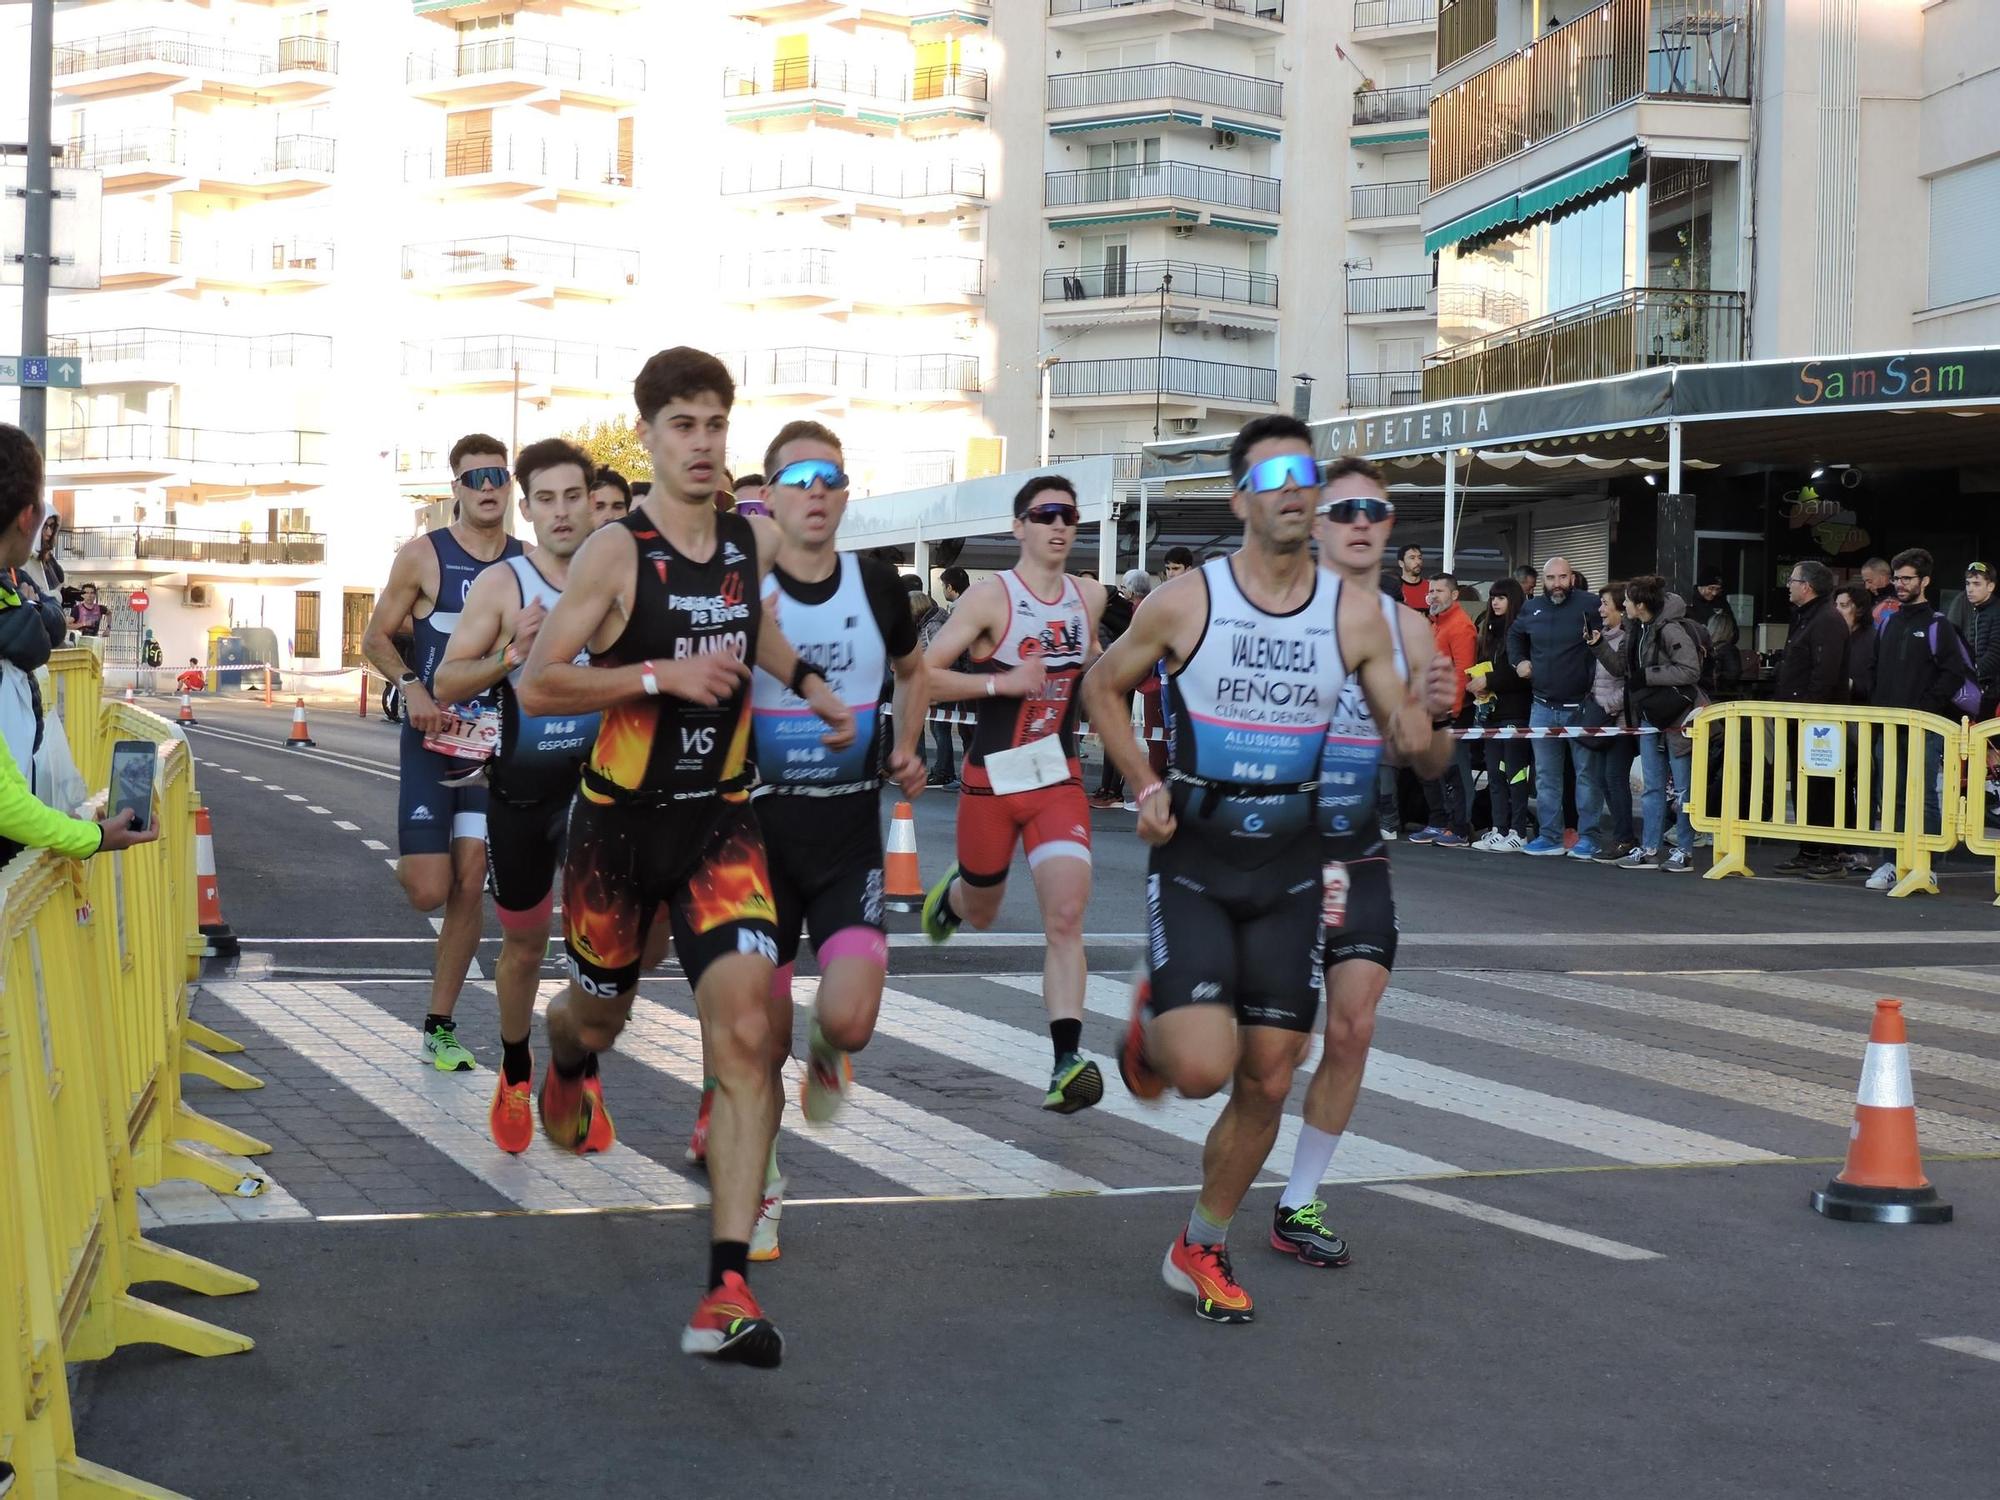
902	885
187	710
1883	1181
208	892
128	694
300	735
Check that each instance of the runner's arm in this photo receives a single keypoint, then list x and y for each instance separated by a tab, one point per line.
1420	650
1108	685
552	683
1397	707
477	655
908	705
398	601
981	612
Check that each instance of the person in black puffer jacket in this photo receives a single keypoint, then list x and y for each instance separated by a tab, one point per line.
1982	634
1509	774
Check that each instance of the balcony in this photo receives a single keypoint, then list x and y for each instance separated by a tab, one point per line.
839	185
150	58
824	90
1621	52
1142	279
838	283
1247	387
261	265
1386	201
1255	19
201	458
139	259
1388	296
540	171
155	551
132	160
143	357
1410	101
541	367
1630	330
293	165
1167	85
1380	388
1464	26
501	69
1159	190
1393	17
511	265
835	374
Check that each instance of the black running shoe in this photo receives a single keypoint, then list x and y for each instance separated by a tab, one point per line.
1300	1232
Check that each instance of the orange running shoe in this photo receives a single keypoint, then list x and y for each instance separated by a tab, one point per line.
600	1136
728	1324
1138	1074
512	1117
697	1151
566	1111
1203	1272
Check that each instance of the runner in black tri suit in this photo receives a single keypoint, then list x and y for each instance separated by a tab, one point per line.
442	829
667	601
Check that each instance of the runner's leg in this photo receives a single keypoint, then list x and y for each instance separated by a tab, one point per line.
464	914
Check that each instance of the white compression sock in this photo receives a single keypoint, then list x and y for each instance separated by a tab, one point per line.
1310	1159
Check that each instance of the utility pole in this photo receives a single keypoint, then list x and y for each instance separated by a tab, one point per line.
38	254
1160	353
1048	362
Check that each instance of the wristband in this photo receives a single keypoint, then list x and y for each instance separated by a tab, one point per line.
992	686
508	659
1140	800
801	670
648	680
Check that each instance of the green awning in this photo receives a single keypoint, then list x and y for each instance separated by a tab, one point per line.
1119	122
1242	226
1465	226
1152	216
1261	132
1393	138
1546	197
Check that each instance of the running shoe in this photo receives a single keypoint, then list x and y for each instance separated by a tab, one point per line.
445	1051
1447	839
729	1325
764	1233
697	1151
1106	800
1301	1232
600	1136
1517	843
829	1076
1391	832
1493	841
1799	863
1428	834
939	925
512	1115
566	1110
1832	869
1640	859
1203	1272
1613	854
1680	862
1543	848
1140	1079
1075	1084
1581	849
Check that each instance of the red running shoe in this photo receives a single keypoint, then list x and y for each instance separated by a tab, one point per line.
728	1324
1203	1272
1138	1074
566	1111
600	1136
512	1117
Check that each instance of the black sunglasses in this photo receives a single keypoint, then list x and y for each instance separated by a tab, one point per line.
495	475
1052	515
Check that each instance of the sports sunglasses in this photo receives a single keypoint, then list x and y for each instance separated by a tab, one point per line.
1272	473
800	475
495	475
1351	508
1052	515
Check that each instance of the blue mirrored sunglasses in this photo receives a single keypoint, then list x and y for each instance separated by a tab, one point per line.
479	479
1272	473
800	475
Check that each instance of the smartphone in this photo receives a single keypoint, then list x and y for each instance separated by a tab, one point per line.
133	768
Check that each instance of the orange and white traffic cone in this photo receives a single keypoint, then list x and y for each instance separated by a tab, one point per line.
187	710
300	735
902	885
128	694
208	892
1883	1181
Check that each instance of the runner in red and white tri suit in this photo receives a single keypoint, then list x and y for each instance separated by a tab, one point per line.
1031	631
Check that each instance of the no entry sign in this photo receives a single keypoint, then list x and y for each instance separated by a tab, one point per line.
139	602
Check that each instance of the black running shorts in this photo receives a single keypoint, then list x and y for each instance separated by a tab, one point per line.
524	845
1249	939
1358	913
825	857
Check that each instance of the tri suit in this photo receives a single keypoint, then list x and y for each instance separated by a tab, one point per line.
1233	898
819	809
1358	910
663	813
430	814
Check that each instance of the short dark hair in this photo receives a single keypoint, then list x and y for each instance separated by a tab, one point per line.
1405	550
1864	604
753	478
608	475
552	453
676	374
1041	484
1263	430
1179	557
475	442
1649	589
1617	593
956	579
803	430
1912	557
1448	578
641	488
20	473
912	584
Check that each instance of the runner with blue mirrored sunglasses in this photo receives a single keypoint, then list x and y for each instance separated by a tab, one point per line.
808	471
1301	469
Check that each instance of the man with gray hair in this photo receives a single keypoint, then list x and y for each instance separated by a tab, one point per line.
1812	670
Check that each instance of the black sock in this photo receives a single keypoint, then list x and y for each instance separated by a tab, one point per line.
725	1256
516	1061
590	1065
948	911
571	1070
1068	1037
436	1022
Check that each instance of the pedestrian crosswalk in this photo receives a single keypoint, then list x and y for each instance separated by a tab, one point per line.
1474	1071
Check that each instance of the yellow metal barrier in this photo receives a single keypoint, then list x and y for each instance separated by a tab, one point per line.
1981	743
1772	753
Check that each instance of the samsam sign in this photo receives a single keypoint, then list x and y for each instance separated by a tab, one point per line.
1913	379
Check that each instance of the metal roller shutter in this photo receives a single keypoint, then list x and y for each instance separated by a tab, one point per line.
1582	536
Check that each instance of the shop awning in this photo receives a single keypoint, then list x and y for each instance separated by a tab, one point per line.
1392	138
1242	226
1580	182
1260	132
1121	122
1501	211
1144	216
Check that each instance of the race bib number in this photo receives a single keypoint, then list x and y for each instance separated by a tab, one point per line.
467	738
1028	768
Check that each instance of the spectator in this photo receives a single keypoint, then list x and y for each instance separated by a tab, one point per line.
1508	762
191	679
944	765
1528	578
1410	582
1118	606
1856	607
1546	645
1982	635
1920	663
1662	671
1608	762
1179	561
1449	796
1812	670
1875	575
1713	614
88	616
43	570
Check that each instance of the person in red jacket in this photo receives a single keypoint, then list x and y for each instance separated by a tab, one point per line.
191	680
1450	795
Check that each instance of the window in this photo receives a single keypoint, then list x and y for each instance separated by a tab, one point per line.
1965	217
305	625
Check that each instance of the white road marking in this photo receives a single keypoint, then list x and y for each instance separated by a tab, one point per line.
375	844
1966	1343
473	971
291	796
1576	1239
345	762
346	827
248	777
180	1201
1861	998
1700	941
389	862
324	812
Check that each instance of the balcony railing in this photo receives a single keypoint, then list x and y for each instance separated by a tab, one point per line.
848	370
1374	14
173	347
536	160
184	445
1480	304
288	153
890	180
1410	101
1605	58
1385	388
1630	330
1170	80
837	76
1385	200
1263	10
1464	26
1163	179
513	54
1387	294
186	49
503	254
254	257
179	544
141	248
1142	279
776	272
501	354
1145	375
117	147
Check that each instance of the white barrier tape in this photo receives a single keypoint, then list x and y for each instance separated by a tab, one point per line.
1553	732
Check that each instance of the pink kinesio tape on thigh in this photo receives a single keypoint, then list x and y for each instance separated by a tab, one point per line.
535	916
781	982
856	942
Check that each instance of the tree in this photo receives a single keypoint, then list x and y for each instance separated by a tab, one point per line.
613	444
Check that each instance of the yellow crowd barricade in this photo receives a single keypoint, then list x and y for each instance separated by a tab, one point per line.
1769	757
1981	742
94	1037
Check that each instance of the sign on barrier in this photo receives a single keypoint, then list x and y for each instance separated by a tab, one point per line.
1982	742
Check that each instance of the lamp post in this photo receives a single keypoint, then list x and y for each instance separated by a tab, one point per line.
1046	363
36	246
1160	353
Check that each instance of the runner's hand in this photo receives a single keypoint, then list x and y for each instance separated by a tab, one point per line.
1440	686
1025	681
908	772
117	832
1156	818
706	679
526	623
836	715
420	709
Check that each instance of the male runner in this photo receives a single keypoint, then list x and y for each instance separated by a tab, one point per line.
1358	916
1257	647
610	496
666	601
442	829
1031	631
532	778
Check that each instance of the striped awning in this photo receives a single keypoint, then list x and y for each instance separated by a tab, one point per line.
1490	216
1243	226
1119	122
1393	138
1144	216
1261	132
1545	198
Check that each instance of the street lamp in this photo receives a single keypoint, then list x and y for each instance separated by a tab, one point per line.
1045	364
1160	353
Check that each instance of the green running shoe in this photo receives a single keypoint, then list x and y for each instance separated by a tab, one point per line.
1304	1232
447	1055
939	924
1076	1084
